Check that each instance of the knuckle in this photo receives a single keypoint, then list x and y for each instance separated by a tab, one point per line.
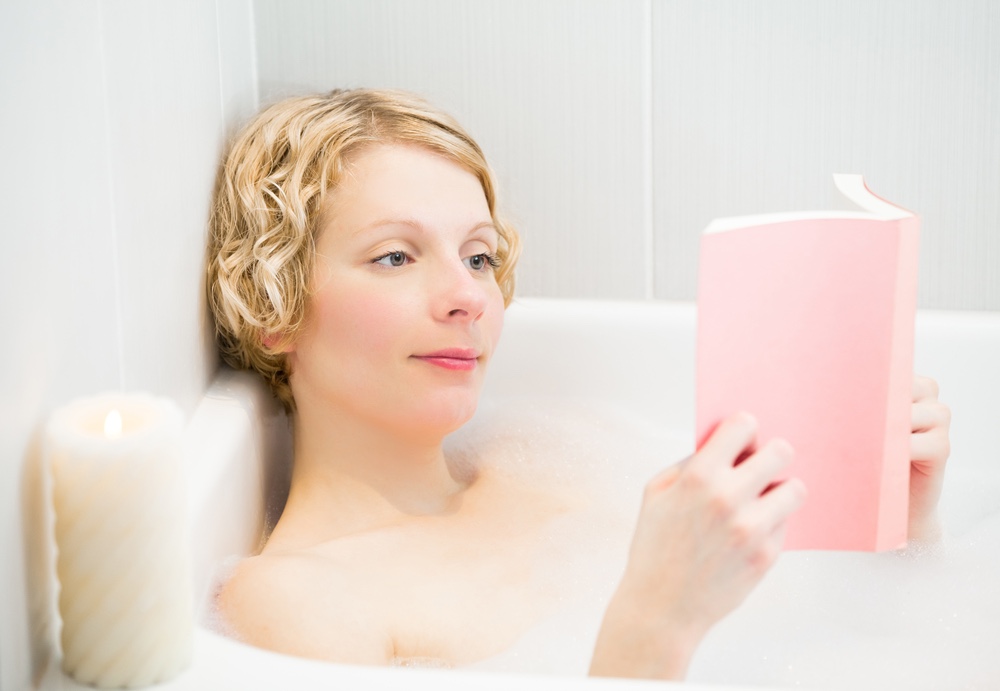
742	535
721	505
763	558
697	479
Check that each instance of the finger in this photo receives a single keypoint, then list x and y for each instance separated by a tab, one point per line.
924	388
759	529
774	508
763	551
770	548
734	435
761	470
930	447
927	415
668	476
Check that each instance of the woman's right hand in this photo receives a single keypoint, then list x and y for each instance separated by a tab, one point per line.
708	531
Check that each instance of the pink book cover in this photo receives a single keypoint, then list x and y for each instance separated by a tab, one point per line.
806	321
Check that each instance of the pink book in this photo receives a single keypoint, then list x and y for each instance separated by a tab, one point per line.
806	321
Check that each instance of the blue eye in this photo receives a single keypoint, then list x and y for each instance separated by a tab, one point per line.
392	259
478	262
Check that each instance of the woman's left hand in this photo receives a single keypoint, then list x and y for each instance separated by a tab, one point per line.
929	449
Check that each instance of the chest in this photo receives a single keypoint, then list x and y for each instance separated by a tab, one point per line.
459	598
462	600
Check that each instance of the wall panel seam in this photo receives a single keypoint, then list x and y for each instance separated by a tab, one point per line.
218	66
254	61
115	255
648	229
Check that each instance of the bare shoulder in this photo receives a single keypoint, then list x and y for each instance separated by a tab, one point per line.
303	605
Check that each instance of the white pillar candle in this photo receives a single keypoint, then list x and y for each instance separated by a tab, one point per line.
121	531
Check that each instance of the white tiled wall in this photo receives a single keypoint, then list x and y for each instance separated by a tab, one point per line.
112	123
621	127
553	91
756	103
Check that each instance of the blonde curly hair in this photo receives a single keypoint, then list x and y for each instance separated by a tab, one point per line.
270	193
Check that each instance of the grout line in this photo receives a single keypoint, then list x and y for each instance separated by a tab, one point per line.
254	63
115	258
647	152
230	121
218	64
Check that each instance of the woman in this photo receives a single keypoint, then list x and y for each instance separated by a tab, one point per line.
358	262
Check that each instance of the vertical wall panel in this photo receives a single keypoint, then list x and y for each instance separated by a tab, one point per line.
57	295
754	104
757	103
165	109
113	123
552	90
237	61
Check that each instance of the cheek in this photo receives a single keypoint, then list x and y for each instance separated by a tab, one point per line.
361	324
495	317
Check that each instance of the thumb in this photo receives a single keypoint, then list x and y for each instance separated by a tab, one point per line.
667	477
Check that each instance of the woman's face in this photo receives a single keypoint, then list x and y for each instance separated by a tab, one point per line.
405	310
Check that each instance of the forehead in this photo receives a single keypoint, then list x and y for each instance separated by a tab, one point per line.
398	179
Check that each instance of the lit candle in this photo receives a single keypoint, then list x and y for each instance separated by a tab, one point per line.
121	531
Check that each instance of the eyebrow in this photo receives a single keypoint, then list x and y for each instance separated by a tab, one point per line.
417	225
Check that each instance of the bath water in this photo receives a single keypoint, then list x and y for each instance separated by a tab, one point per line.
927	617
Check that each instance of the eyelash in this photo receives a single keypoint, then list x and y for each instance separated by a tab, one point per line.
491	259
385	255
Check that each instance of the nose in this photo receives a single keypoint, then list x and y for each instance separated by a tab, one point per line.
459	294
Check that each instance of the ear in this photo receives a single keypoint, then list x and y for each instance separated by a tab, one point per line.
274	341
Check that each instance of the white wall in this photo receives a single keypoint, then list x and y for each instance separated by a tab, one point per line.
553	91
758	102
621	128
113	119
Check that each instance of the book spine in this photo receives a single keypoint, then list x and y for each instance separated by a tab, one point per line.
892	522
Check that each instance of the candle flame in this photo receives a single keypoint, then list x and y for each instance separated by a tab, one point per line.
113	425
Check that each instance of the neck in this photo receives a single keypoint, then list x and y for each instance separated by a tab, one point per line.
350	476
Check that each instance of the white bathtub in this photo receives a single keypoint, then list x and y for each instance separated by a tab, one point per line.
819	620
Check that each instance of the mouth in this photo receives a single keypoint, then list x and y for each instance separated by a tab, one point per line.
455	359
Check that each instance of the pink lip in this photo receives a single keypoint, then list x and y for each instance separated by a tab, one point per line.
457	359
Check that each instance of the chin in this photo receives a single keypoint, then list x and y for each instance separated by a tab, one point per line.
442	417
